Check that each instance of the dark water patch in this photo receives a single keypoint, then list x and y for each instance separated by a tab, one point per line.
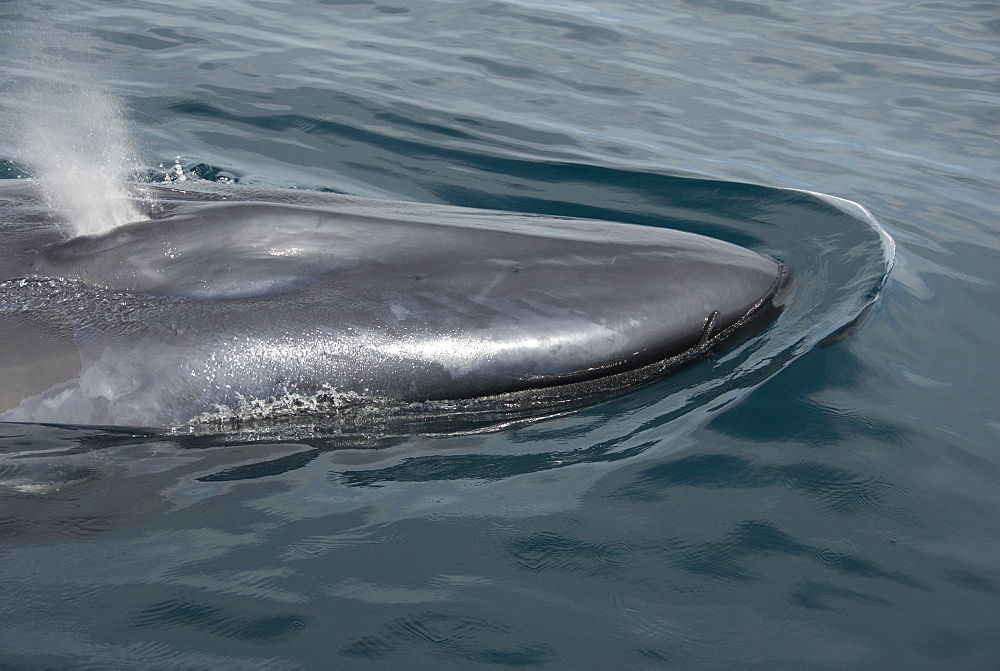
388	9
697	470
864	568
341	3
941	643
69	526
791	409
10	169
399	120
770	60
14	468
263	469
523	72
828	596
440	467
180	38
740	8
503	70
725	561
482	199
972	581
201	619
356	112
658	656
355	128
567	29
485	467
451	637
837	489
36	442
556	552
728	560
152	40
912	52
13	526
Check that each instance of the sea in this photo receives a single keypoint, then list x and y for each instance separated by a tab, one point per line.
824	495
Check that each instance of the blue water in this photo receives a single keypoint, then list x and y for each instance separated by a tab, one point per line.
800	501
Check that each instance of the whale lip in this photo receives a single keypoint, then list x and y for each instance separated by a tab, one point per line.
764	312
587	386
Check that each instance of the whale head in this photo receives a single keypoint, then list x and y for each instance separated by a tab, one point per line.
254	310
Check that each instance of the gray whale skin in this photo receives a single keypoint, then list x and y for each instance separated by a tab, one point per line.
281	304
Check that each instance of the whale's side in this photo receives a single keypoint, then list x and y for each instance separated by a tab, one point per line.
252	309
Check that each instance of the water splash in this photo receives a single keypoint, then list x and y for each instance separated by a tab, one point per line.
70	130
174	173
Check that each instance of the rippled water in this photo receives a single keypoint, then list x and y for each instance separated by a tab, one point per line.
801	500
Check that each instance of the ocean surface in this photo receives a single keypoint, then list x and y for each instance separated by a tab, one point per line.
824	495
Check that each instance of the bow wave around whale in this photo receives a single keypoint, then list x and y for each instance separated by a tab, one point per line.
229	310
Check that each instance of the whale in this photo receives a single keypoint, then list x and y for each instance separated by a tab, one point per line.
226	306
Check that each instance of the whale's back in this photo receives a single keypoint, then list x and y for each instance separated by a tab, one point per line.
233	309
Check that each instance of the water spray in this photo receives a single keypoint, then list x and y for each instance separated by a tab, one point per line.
69	129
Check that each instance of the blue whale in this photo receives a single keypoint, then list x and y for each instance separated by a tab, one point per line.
233	306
